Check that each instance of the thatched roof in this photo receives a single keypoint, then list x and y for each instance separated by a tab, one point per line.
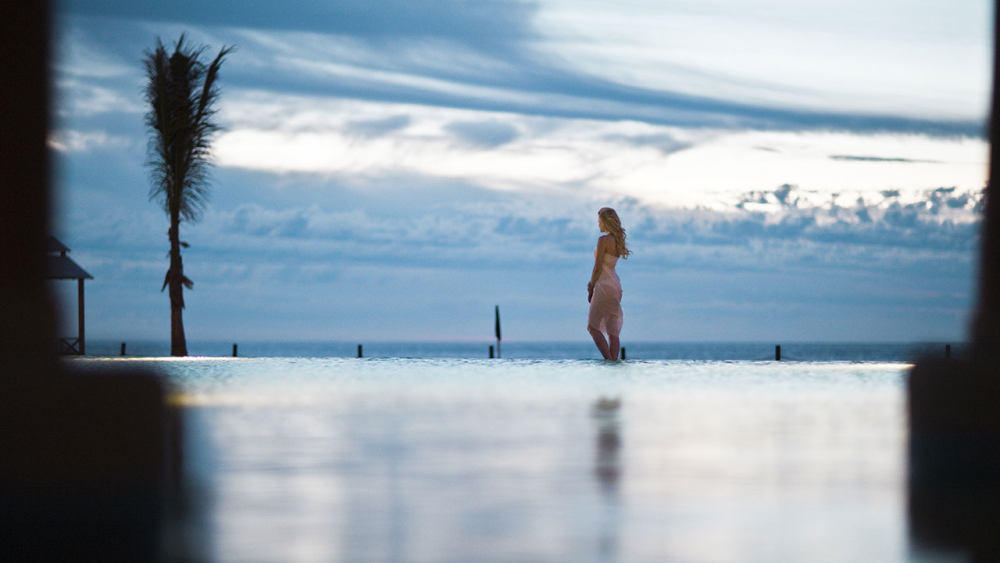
62	267
53	245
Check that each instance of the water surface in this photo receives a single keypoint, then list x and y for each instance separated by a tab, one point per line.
343	459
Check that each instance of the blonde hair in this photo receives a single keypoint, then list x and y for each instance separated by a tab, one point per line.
613	226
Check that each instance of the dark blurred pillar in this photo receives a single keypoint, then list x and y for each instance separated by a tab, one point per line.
26	318
84	458
986	322
954	408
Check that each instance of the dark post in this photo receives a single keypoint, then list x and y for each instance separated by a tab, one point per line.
623	353
491	351
497	310
123	348
234	349
777	353
79	320
360	355
947	351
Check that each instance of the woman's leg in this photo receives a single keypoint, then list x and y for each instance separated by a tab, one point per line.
602	344
614	346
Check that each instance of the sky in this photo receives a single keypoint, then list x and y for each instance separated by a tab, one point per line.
391	170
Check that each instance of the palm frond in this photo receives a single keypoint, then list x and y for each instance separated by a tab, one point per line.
181	92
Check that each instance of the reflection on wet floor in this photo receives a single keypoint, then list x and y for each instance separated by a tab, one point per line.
607	471
336	460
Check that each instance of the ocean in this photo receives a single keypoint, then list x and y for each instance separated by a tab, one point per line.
431	452
712	351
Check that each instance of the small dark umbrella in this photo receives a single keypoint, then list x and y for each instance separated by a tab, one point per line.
497	310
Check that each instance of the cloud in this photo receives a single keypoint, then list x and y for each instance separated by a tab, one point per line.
664	142
776	229
378	127
83	98
444	56
847	157
860	59
84	141
474	22
448	236
438	159
321	248
80	57
938	219
483	134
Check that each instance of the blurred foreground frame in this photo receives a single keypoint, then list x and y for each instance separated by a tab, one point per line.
954	407
89	463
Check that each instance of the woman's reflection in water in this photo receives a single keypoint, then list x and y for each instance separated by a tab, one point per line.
607	470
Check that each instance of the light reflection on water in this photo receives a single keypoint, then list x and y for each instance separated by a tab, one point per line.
456	460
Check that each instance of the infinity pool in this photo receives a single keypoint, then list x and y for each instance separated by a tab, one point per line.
340	459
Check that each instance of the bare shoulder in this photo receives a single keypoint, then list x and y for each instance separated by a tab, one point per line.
606	243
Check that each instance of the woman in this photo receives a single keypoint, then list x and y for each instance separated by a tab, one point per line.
604	292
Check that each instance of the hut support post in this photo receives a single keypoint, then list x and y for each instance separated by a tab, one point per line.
80	316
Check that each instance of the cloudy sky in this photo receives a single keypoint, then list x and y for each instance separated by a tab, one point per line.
390	170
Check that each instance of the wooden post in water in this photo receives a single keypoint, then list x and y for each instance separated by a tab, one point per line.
623	353
360	354
491	351
777	353
80	317
947	351
234	349
123	348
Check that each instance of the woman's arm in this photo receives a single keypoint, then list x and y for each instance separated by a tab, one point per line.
602	248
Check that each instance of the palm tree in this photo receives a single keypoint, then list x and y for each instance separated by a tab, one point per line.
181	93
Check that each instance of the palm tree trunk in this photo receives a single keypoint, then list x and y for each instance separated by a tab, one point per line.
178	344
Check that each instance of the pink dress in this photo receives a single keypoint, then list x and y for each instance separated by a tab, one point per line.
606	304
